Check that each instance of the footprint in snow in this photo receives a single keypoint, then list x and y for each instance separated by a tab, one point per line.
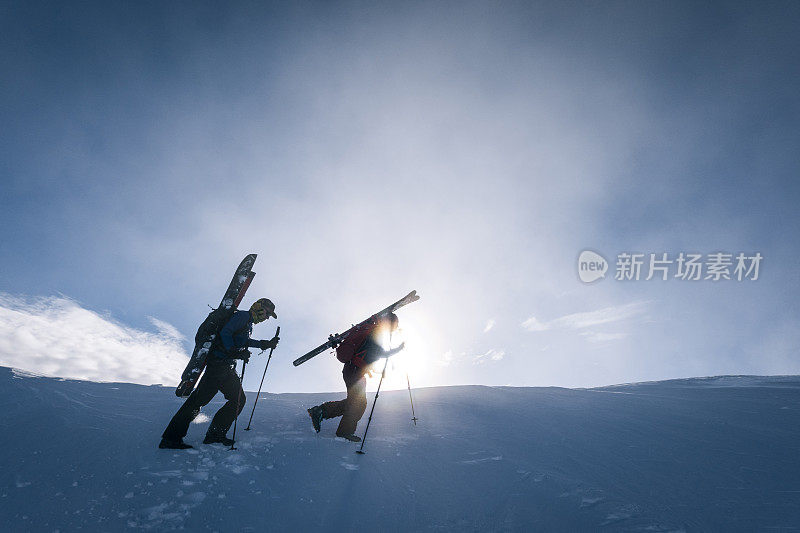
590	502
166	473
484	460
196	497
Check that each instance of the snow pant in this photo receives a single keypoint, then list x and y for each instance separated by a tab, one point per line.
218	377
351	409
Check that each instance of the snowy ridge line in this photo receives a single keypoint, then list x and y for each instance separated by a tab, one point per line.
718	380
28	374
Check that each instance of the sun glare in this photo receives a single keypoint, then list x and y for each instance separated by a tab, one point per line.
412	361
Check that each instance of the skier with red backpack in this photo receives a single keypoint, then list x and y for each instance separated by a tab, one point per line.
358	351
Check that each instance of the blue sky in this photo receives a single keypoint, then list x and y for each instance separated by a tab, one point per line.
466	150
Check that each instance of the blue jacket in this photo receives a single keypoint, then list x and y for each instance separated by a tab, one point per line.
234	336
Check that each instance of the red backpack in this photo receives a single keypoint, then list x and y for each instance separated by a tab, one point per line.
347	350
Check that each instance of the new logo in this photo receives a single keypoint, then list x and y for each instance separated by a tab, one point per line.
591	266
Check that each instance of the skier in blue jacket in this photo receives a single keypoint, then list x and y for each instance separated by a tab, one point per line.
220	376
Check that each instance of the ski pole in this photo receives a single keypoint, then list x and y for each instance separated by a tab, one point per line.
277	332
361	450
413	416
238	398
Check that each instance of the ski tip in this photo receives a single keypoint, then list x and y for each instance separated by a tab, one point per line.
248	261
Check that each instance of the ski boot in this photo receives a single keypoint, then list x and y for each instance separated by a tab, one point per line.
213	438
352	437
167	444
316	417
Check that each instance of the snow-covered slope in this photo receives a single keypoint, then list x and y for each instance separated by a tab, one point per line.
697	454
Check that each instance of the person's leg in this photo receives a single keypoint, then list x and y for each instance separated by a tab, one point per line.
202	394
355	405
333	409
231	387
318	413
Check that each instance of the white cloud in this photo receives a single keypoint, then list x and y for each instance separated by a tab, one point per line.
593	336
57	337
533	324
167	329
588	318
446	359
491	355
489	325
601	316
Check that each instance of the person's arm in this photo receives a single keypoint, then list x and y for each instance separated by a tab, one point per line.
374	351
237	322
393	351
266	344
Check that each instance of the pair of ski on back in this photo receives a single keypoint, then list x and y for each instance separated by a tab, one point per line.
346	343
208	333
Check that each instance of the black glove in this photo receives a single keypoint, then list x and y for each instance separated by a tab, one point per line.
243	354
270	344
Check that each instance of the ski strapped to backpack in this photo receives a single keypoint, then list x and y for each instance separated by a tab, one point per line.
207	336
350	348
338	340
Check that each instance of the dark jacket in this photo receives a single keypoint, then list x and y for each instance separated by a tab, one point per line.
370	351
234	336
